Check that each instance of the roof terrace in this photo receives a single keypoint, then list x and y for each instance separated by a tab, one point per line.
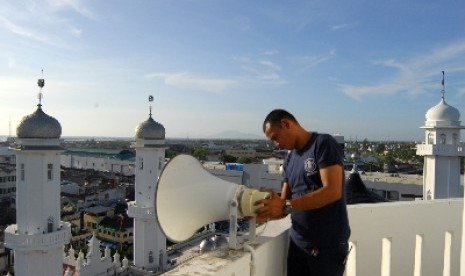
419	238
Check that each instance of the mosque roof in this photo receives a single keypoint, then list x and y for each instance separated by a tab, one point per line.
357	192
442	112
39	125
150	130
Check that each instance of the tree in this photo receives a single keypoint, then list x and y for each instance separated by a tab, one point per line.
380	148
200	153
244	160
228	159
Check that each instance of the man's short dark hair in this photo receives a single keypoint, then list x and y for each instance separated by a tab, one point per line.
275	117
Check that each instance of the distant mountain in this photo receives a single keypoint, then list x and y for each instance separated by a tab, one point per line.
232	134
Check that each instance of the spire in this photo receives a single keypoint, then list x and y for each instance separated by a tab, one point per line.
443	91
150	130
150	105
41	84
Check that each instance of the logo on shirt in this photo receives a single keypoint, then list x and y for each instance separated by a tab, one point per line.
310	166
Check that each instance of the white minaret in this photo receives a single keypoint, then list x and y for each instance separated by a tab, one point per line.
38	236
149	241
442	150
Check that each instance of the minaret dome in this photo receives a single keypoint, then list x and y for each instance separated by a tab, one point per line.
39	125
150	130
443	112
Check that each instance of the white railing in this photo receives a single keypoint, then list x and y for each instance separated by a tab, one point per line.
135	211
19	241
418	238
442	149
406	238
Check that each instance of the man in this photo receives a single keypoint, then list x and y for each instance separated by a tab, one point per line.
314	196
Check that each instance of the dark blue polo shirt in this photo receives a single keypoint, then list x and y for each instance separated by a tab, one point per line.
326	226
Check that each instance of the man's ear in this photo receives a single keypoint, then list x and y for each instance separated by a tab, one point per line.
285	123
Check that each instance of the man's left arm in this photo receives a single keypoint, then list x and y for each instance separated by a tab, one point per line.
331	177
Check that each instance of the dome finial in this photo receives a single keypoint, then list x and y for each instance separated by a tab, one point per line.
41	84
443	91
150	105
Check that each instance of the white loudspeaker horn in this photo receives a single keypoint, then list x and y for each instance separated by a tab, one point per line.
188	197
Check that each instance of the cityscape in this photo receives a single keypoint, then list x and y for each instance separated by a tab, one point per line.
86	206
84	158
98	180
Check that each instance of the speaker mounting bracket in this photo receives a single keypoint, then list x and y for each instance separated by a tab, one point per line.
233	242
234	213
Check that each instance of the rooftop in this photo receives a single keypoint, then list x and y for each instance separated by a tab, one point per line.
418	240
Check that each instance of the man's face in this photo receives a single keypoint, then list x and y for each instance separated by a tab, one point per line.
278	135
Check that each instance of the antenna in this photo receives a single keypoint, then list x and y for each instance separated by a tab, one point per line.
443	91
41	84
9	126
150	105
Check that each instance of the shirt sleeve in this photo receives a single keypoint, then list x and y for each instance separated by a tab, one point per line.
329	151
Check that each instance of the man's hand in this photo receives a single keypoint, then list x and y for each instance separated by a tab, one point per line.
272	208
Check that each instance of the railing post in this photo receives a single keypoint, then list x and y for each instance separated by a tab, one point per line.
462	254
386	257
418	255
447	254
351	265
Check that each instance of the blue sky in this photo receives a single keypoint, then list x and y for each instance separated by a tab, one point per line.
362	69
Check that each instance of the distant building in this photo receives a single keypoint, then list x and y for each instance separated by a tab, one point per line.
99	160
7	156
149	241
115	229
71	188
7	174
251	175
39	235
442	151
7	181
238	153
94	215
274	164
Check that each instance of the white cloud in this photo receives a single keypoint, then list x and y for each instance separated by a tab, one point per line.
392	63
259	74
191	82
261	69
358	92
22	31
75	31
308	62
270	52
43	21
413	75
270	64
11	87
50	8
343	26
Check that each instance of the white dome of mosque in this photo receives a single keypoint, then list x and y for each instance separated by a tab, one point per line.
150	130
443	112
39	125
